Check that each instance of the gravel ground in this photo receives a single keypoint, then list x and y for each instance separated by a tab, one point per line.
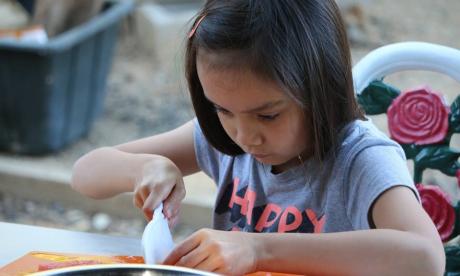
143	100
58	215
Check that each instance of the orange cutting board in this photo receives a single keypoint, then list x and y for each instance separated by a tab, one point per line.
40	261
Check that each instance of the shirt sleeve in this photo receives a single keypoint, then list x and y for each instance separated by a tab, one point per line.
207	156
373	171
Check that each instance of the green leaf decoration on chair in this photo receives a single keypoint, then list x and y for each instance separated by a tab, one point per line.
452	259
457	221
377	97
442	158
411	150
454	118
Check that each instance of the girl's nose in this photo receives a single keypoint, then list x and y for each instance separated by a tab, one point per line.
247	135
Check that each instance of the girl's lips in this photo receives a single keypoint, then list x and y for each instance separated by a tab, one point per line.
260	156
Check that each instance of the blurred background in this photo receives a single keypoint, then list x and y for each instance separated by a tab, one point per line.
142	92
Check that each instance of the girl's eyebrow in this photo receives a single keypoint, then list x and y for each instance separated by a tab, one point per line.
256	109
264	106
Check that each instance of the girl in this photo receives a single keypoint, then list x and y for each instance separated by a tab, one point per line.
305	183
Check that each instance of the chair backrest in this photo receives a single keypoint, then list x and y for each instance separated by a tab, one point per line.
397	57
421	122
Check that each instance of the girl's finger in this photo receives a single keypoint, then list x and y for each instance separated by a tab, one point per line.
144	193
193	258
173	201
148	207
161	192
148	215
137	200
172	222
152	201
221	271
209	264
182	249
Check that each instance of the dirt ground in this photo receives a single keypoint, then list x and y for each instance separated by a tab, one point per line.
144	99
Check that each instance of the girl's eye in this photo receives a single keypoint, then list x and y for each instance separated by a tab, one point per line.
271	117
221	110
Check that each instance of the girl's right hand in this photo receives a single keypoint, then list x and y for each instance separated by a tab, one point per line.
160	181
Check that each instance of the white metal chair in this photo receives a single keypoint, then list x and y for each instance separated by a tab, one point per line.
421	122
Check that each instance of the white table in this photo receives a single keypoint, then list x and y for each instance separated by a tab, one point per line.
17	240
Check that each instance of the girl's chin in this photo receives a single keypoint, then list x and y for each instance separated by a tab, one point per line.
263	159
269	159
283	166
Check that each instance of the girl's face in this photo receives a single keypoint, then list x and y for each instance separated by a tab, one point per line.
257	115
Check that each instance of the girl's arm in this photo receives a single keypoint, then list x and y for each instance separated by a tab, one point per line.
176	145
159	161
405	243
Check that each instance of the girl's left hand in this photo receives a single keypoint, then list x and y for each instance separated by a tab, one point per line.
224	252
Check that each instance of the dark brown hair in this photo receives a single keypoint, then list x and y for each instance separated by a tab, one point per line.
300	44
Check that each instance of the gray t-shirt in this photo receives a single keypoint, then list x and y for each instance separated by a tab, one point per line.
307	198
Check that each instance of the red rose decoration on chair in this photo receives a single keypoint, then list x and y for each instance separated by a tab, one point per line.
418	116
437	204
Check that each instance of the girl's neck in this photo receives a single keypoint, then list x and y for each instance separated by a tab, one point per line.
294	162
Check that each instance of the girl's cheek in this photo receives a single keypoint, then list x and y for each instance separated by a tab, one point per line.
227	125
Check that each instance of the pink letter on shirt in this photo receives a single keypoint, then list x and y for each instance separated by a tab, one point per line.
263	220
246	203
317	224
283	227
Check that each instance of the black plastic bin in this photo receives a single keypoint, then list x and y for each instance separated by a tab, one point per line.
51	93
